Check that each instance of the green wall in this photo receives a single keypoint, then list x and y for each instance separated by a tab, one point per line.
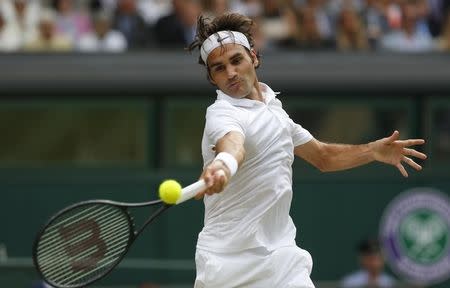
332	211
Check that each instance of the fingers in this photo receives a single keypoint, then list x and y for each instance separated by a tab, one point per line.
394	136
411	142
411	163
414	153
215	180
402	169
207	177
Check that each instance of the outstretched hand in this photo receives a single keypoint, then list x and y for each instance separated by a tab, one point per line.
393	151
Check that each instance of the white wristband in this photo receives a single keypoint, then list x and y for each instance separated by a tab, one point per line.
229	161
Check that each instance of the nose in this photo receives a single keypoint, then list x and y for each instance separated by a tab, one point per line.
231	71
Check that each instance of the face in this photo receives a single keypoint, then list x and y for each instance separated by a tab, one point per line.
46	29
20	6
409	12
102	27
64	6
232	70
127	6
349	21
373	263
187	11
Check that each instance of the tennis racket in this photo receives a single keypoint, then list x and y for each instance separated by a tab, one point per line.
85	241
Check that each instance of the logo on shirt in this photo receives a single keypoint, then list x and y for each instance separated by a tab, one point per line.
415	233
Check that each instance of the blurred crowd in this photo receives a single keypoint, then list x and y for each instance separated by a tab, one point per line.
124	25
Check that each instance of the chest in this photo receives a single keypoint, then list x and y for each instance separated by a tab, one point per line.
268	131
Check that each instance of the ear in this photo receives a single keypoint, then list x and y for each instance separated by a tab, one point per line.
255	60
210	78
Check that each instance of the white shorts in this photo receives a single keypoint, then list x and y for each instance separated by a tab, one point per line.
285	267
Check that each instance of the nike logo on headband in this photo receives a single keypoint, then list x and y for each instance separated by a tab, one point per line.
221	39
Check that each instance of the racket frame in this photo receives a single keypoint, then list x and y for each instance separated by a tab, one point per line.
133	234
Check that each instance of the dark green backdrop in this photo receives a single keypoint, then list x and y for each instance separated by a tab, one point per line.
61	144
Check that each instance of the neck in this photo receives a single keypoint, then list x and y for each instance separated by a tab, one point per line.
256	93
373	276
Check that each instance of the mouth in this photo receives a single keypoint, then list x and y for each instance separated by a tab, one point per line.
234	84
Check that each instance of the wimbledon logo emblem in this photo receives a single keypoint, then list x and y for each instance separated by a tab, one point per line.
415	233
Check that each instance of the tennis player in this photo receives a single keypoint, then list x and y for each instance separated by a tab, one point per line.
248	238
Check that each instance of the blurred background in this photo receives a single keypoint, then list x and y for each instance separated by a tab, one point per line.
98	99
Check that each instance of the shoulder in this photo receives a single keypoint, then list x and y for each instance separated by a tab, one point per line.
387	280
221	107
87	42
355	279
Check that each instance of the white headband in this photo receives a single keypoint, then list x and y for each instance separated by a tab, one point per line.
220	38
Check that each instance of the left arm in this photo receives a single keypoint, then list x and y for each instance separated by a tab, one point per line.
334	157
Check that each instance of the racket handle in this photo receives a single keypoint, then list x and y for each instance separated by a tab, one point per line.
190	191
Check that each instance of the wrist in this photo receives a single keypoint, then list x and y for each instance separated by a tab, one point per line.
371	149
229	161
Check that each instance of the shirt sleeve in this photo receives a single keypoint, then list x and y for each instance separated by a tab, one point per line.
299	134
221	119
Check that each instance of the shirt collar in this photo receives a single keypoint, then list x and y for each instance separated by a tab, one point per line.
266	91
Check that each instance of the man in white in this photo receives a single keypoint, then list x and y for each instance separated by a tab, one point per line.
248	239
103	39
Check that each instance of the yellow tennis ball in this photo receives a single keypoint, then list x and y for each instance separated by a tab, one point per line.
170	191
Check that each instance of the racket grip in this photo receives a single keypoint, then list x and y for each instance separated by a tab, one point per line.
190	191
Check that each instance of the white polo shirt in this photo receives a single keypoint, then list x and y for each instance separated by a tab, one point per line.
253	210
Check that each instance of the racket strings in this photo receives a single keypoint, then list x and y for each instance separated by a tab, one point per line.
52	236
73	278
83	243
58	257
60	251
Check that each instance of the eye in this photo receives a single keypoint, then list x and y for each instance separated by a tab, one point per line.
236	61
218	68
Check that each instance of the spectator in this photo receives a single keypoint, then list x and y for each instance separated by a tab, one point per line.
278	21
178	28
437	12
422	11
69	21
351	34
409	38
322	20
443	42
308	36
103	39
392	12
336	6
9	39
48	39
153	10
213	8
249	8
21	18
372	265
259	38
108	6
128	21
375	22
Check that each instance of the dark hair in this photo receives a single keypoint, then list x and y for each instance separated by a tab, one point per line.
369	246
227	22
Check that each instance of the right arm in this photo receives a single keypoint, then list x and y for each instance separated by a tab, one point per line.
233	144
